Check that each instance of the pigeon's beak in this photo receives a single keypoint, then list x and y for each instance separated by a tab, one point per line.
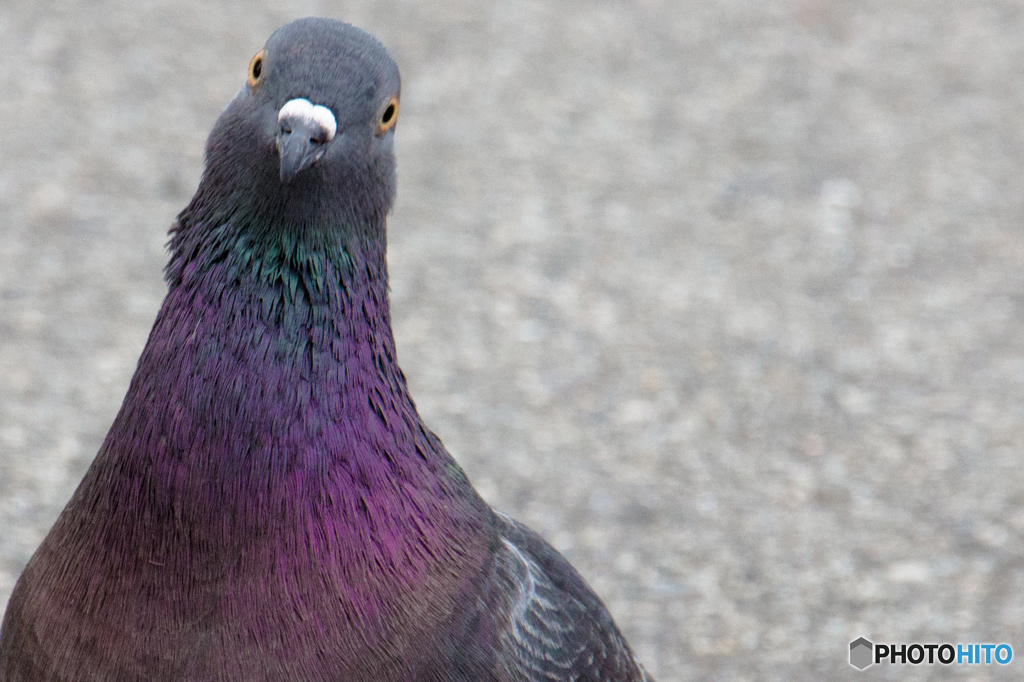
303	131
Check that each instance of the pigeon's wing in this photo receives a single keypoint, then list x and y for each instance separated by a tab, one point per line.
550	625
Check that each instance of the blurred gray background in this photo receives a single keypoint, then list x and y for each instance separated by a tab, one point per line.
723	298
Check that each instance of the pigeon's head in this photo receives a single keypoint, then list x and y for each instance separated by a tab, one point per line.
313	125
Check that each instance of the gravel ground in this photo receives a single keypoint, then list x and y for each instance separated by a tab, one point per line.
726	299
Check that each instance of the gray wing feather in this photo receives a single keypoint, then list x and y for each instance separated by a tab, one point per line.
556	629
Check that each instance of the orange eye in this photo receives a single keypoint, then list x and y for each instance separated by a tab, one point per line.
256	69
388	116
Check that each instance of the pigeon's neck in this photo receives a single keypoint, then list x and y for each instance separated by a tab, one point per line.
276	338
271	373
314	292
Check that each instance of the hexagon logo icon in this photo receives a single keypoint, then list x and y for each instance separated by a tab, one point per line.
860	653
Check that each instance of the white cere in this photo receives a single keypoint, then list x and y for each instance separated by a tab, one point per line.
304	110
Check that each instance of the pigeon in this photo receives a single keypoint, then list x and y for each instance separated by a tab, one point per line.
268	504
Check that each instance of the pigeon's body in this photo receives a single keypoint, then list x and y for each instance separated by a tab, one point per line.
268	504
